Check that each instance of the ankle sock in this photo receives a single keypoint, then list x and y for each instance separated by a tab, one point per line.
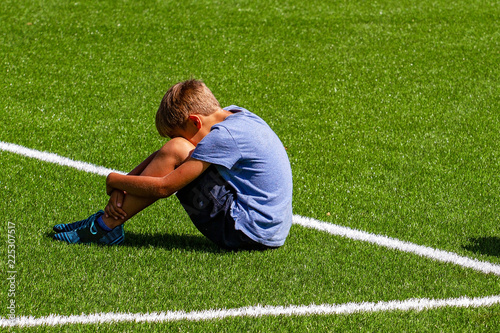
103	225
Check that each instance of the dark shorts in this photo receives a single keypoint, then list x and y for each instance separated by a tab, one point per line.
208	200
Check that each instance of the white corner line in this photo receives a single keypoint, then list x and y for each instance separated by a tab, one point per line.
56	159
307	222
419	304
392	243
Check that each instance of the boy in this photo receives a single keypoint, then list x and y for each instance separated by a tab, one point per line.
227	167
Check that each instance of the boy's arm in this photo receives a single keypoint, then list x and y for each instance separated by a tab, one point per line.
157	187
114	206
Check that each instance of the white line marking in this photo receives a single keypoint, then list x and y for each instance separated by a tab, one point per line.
54	158
255	311
333	229
397	244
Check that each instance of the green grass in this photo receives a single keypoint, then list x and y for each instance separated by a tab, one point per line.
389	111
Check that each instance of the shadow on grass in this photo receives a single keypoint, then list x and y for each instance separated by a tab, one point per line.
166	241
484	245
169	241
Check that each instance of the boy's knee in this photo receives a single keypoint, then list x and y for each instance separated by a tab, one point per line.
179	148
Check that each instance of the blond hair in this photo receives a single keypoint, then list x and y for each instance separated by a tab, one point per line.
182	100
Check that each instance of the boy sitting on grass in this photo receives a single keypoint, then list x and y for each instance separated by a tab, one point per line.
229	169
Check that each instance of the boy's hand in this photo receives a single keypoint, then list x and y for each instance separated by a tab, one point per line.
114	207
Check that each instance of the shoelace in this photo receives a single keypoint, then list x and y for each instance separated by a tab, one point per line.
79	224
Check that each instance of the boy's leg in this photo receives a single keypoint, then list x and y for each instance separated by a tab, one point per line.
164	161
208	201
169	157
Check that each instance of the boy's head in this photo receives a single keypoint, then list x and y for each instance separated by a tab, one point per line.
181	101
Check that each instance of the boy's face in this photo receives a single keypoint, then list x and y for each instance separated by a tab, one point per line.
192	131
182	133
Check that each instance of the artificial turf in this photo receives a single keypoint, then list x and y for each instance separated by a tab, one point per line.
388	110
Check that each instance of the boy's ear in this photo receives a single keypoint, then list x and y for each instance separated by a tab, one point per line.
196	120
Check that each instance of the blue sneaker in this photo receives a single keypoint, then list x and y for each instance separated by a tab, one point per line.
92	233
65	227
